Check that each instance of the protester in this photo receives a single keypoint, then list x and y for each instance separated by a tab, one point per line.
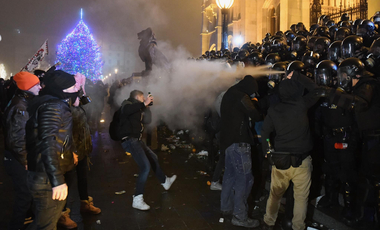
134	114
50	148
15	154
289	121
236	139
83	144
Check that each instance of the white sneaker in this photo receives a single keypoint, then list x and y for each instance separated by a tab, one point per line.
138	203
168	182
216	186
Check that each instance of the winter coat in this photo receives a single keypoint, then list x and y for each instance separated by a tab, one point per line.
49	138
289	119
81	132
236	109
14	122
134	114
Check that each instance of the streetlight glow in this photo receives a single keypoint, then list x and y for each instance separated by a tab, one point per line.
224	4
116	71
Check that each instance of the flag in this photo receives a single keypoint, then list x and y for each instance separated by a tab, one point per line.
37	57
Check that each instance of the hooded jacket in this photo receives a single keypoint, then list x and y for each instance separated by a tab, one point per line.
49	138
236	109
134	114
14	122
289	119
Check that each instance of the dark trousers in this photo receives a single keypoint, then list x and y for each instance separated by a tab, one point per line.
340	164
21	195
72	201
145	158
82	179
237	180
46	210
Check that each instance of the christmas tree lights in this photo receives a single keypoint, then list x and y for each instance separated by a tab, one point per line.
79	53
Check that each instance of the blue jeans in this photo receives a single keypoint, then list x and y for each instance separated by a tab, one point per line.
237	180
145	158
46	210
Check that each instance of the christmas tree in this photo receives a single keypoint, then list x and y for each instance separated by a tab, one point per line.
79	53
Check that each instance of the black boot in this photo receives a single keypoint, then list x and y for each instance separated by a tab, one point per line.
348	213
331	194
366	209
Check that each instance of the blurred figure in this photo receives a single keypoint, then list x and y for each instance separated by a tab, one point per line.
50	148
15	160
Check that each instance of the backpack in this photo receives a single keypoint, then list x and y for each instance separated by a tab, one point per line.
116	124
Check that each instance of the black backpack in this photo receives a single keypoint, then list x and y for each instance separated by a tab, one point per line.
116	124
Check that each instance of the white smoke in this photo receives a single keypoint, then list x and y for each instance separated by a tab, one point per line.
185	93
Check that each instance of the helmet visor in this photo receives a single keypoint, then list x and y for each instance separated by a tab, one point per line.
344	78
323	79
275	77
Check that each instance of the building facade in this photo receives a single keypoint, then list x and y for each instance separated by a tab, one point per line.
250	20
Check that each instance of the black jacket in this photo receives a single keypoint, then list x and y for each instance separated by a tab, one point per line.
236	109
134	115
364	100
49	138
81	132
14	122
289	119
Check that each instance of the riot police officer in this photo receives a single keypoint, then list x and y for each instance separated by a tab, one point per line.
298	47
365	102
339	144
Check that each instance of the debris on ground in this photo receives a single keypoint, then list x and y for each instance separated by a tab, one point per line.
128	153
120	192
180	132
135	175
164	148
202	173
98	222
172	147
202	153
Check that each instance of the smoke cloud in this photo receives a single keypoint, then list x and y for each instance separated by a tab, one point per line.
183	94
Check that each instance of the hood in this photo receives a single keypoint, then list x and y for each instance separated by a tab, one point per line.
248	85
290	90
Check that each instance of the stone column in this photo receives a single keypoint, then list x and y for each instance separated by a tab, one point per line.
373	7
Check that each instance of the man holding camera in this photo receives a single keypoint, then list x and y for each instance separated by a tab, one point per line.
134	114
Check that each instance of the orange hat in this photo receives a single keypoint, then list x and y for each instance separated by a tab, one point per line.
25	80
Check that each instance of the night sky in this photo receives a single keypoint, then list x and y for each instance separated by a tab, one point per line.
177	22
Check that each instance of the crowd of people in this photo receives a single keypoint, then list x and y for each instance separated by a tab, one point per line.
46	124
320	101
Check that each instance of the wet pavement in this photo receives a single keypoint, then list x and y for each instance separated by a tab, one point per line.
189	204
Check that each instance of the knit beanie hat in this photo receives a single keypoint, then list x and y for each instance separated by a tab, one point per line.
59	80
25	80
56	82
